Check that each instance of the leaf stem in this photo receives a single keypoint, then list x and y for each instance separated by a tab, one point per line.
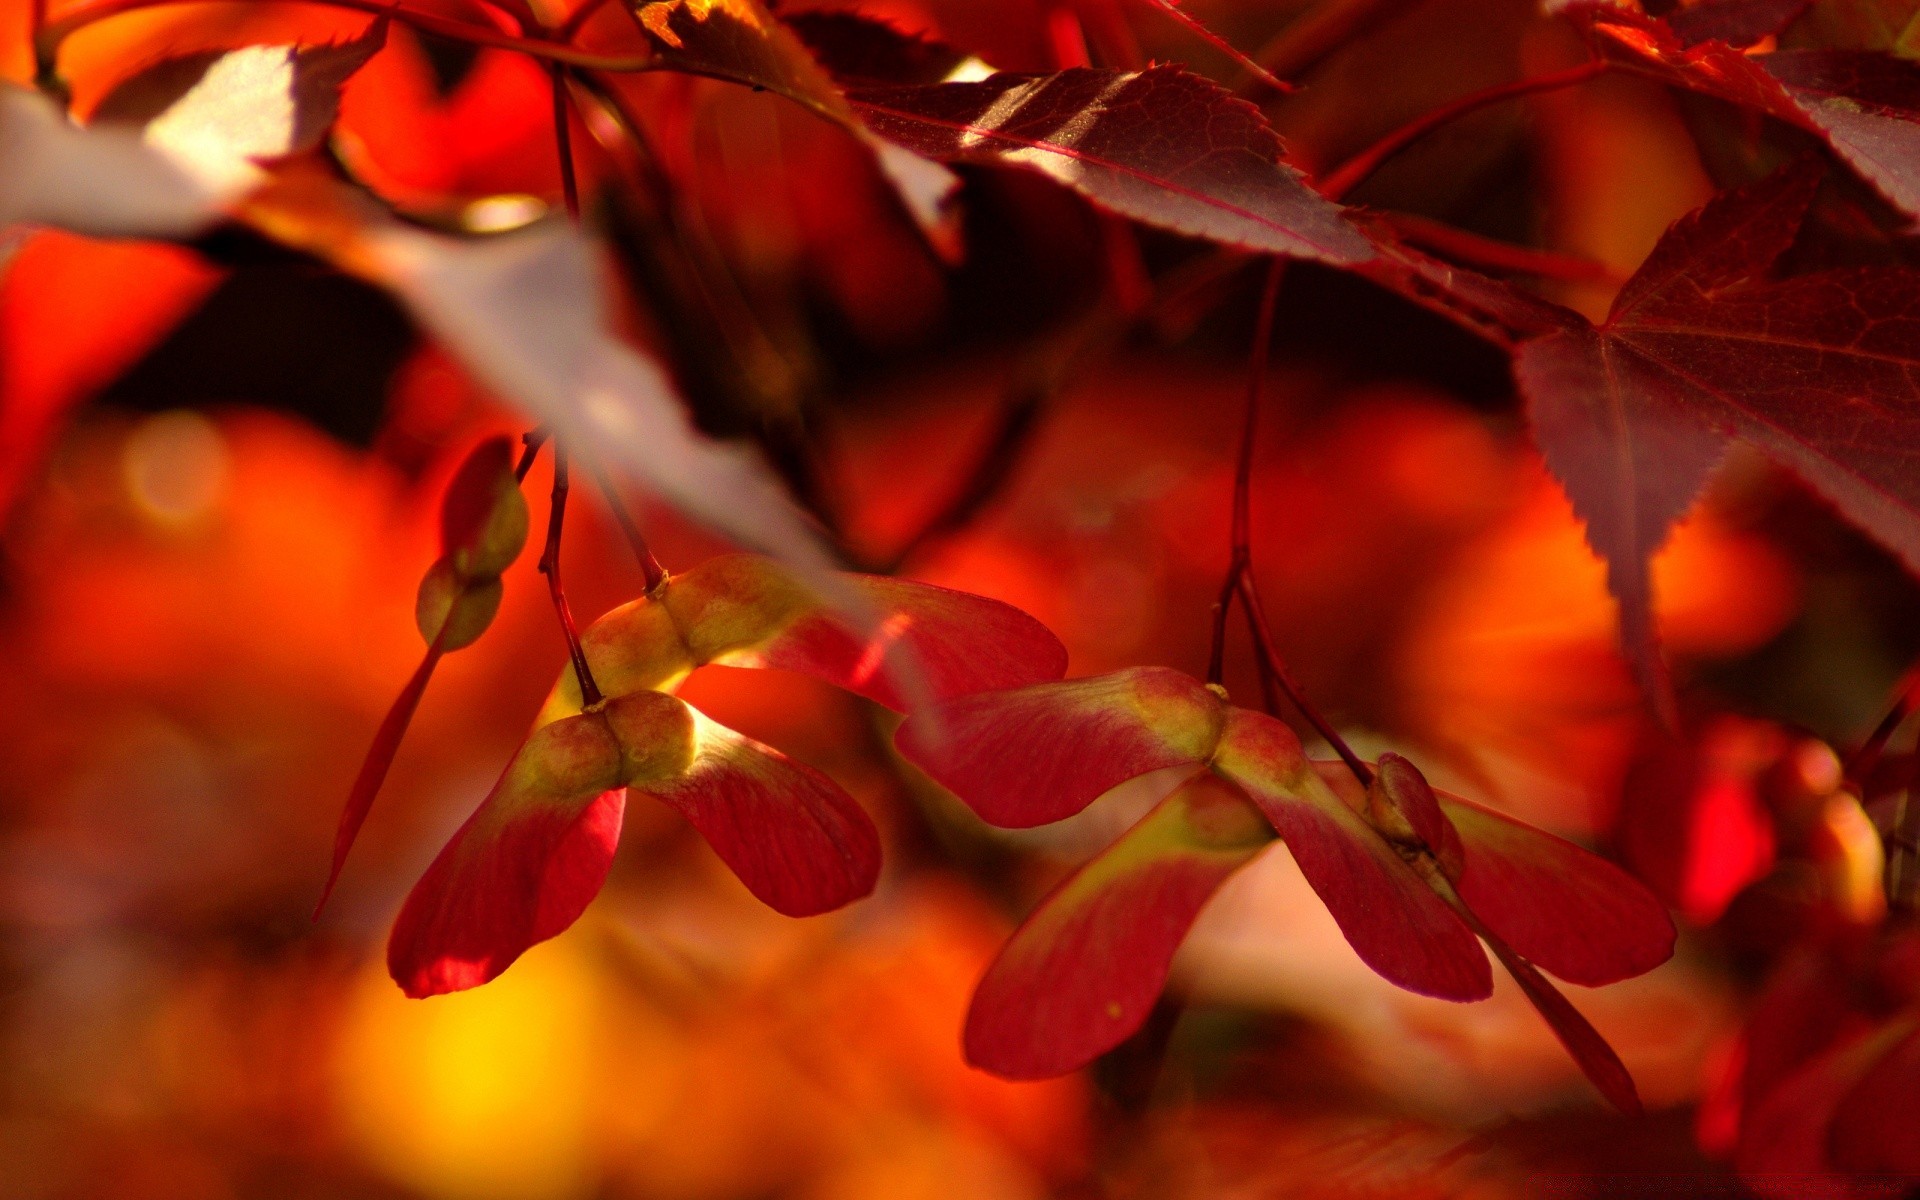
563	141
1863	760
1337	183
1302	45
650	566
1240	560
1263	641
531	440
550	567
1198	29
1490	254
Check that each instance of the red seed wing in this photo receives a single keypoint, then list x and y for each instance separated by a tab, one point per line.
792	835
1563	908
1039	754
1085	969
1391	917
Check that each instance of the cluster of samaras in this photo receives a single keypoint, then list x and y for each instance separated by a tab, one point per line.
1416	880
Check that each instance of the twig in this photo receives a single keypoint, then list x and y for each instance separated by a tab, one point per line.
550	567
563	141
1489	254
1246	63
530	441
649	565
1241	535
1337	183
1302	46
1863	760
1263	641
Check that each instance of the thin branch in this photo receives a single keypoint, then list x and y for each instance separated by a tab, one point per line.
1489	254
1198	29
1302	45
563	141
649	565
1264	643
1242	529
1337	183
1241	556
531	441
550	567
1863	760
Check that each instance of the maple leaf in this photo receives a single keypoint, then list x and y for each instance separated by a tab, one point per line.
1162	146
529	314
739	41
1410	878
1865	105
168	151
1738	23
536	852
99	182
1818	371
219	115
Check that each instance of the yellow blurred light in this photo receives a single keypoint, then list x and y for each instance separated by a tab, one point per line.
482	1095
175	466
502	214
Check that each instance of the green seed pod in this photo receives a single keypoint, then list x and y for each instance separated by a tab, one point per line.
483	519
573	758
465	609
658	735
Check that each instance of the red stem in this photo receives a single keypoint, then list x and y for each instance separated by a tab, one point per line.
550	567
1863	760
531	441
649	565
1309	39
1485	253
1241	557
1263	641
1239	581
1172	8
563	142
1343	179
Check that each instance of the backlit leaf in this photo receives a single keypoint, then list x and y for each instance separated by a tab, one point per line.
219	115
1864	104
1818	371
101	182
1162	146
740	41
